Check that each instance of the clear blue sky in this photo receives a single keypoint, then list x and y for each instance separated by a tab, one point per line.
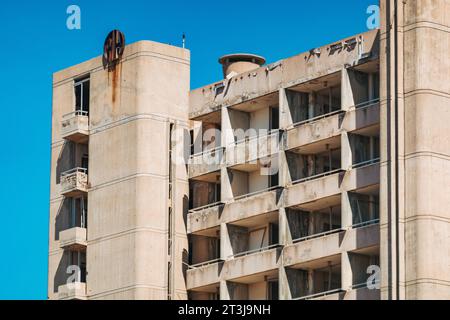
35	42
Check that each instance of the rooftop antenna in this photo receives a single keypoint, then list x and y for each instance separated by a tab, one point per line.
184	40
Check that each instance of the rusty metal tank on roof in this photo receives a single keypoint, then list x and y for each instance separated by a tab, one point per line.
233	64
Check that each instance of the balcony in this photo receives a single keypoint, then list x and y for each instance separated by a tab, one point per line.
362	175
332	243
313	130
252	262
205	217
72	291
74	182
75	126
205	163
363	115
243	153
313	188
73	239
203	274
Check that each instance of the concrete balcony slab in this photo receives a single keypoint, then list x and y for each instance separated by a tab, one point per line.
72	291
73	239
314	130
75	127
74	182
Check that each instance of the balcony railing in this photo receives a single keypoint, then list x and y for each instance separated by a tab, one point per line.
367	104
72	291
317	176
365	223
365	163
318	118
364	284
75	126
205	154
204	264
320	294
73	239
317	235
254	147
205	162
74	181
253	194
246	253
208	206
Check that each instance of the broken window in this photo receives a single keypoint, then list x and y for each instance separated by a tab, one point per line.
82	95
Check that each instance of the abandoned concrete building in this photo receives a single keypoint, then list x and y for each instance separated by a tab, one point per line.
321	176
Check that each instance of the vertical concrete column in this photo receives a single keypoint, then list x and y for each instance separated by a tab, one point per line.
198	137
226	190
285	237
285	112
346	272
284	291
283	169
227	131
224	293
226	249
346	211
346	152
347	100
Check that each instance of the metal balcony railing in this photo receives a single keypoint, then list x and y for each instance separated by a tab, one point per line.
204	264
318	235
75	114
246	253
320	294
74	171
269	134
252	194
208	206
317	176
367	104
366	223
206	153
366	163
364	285
318	118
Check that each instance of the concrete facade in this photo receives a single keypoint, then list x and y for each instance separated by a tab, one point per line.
133	242
320	176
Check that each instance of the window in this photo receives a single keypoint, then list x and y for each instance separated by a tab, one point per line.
82	94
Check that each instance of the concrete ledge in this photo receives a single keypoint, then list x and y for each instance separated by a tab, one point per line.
204	219
75	128
312	190
251	264
283	74
314	131
72	291
74	238
252	206
204	163
203	276
330	245
362	117
361	177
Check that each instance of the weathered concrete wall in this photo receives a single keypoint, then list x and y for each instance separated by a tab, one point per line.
419	215
128	108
